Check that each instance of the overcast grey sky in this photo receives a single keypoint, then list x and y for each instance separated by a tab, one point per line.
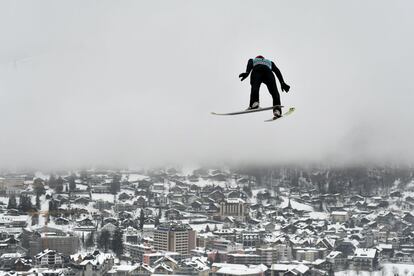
133	82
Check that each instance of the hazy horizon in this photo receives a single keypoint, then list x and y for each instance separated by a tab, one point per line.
132	83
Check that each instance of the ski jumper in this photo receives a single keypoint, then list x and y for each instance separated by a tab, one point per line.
262	72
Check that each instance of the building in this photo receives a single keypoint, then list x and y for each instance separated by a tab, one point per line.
234	207
7	260
35	241
309	254
365	259
175	237
10	245
337	259
339	216
268	255
137	251
12	185
49	258
259	270
247	259
223	245
284	251
289	269
151	258
93	264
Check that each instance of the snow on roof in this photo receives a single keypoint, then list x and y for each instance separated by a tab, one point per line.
10	255
242	255
333	254
301	268
318	215
261	266
295	205
365	252
135	177
339	213
385	246
234	200
283	267
219	265
240	270
318	261
124	268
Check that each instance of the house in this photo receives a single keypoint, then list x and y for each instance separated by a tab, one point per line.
92	264
167	260
82	200
10	245
142	270
346	246
322	264
289	270
8	260
337	259
85	222
173	214
23	264
339	216
385	251
102	205
61	221
49	258
141	201
124	206
217	195
108	227
365	259
257	270
196	206
387	218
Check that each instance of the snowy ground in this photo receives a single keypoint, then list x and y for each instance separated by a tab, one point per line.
318	215
387	270
132	177
4	200
295	205
105	197
202	226
208	182
253	200
82	187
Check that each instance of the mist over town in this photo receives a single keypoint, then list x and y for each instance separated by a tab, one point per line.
115	162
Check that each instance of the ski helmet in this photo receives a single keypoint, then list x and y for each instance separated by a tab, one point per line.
259	56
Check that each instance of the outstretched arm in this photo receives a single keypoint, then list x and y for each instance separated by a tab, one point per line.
248	69
279	76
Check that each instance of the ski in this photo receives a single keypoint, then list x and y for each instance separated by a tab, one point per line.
290	111
247	111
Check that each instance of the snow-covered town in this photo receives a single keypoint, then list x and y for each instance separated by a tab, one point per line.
201	221
206	138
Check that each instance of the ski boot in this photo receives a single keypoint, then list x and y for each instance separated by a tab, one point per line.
276	114
255	105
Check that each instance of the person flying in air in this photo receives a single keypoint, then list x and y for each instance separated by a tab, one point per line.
262	72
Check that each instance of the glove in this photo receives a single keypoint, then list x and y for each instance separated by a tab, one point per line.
243	76
285	87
